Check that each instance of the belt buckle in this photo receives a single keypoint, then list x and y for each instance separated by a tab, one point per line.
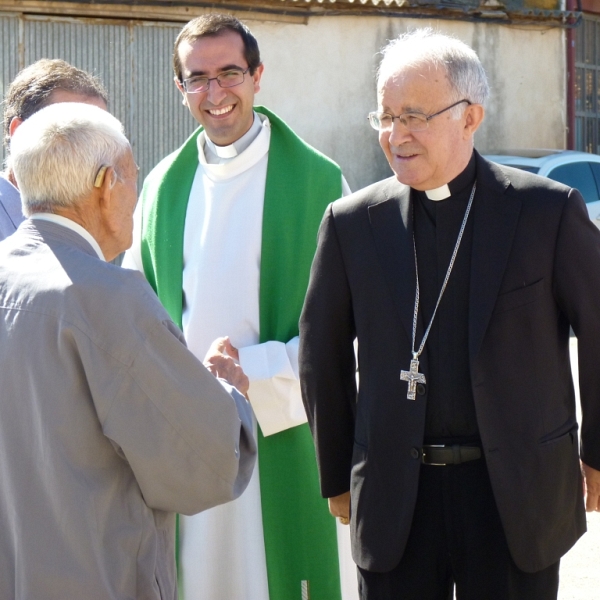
432	463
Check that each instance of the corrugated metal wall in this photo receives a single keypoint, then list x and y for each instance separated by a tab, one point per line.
132	58
9	62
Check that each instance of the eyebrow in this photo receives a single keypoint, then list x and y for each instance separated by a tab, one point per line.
221	70
406	110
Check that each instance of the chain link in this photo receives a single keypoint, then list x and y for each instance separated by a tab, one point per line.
454	253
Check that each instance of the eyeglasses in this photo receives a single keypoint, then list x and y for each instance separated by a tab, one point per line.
227	79
413	121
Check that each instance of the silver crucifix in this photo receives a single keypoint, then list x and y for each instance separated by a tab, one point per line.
413	377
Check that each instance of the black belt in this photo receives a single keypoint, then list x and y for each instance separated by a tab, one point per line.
449	455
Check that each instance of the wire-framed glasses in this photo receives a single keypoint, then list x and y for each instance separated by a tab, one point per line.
227	79
413	121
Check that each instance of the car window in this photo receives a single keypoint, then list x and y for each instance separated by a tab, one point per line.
525	168
596	171
578	175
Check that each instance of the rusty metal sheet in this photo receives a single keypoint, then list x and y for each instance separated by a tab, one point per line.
132	58
9	57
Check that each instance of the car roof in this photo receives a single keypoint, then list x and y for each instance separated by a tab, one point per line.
542	160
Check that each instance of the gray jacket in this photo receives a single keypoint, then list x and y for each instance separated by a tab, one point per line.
11	214
108	426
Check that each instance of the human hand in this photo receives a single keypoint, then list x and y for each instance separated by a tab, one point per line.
221	360
339	506
592	488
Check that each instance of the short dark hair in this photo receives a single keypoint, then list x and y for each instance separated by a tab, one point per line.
213	25
31	89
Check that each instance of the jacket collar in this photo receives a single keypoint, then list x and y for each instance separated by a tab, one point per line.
495	213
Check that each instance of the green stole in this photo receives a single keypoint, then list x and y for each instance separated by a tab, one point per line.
300	534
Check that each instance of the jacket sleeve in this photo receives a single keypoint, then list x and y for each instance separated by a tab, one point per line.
327	361
577	289
187	437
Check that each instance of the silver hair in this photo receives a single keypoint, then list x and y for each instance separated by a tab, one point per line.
57	153
463	68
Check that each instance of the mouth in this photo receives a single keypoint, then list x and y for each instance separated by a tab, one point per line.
403	153
220	112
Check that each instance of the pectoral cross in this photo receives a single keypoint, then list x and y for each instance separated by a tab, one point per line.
413	377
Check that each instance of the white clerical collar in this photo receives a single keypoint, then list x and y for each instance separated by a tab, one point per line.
440	193
217	154
69	224
462	181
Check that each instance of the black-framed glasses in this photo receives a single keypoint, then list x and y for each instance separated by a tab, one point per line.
227	79
413	121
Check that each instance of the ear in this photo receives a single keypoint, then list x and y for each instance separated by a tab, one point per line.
14	123
256	77
182	90
473	118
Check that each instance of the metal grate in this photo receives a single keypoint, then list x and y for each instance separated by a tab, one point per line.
587	92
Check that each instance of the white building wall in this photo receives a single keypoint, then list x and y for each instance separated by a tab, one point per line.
320	77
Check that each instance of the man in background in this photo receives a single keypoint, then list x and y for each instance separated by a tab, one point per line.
109	425
45	82
226	232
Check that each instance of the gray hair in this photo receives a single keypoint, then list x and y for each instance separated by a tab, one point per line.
463	68
57	153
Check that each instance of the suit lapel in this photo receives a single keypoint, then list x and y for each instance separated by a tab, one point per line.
391	223
495	215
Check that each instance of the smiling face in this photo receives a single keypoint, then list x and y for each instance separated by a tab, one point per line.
225	113
427	159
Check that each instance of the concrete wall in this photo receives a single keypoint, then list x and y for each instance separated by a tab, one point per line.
320	77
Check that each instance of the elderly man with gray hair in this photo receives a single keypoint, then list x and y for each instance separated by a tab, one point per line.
456	460
108	424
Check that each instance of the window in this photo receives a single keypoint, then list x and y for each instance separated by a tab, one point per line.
524	168
587	85
578	175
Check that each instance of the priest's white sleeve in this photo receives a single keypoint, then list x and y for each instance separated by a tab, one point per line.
274	393
272	368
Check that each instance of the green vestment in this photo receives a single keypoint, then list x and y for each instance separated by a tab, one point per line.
299	532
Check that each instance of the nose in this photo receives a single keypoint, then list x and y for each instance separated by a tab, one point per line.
399	133
215	92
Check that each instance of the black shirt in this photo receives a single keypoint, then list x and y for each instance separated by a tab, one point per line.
450	406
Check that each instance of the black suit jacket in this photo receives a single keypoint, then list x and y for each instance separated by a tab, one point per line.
535	271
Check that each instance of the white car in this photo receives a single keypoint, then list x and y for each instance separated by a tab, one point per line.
575	169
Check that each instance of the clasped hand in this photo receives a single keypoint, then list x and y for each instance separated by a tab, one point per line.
339	506
222	360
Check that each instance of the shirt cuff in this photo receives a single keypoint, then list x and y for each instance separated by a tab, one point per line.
274	393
